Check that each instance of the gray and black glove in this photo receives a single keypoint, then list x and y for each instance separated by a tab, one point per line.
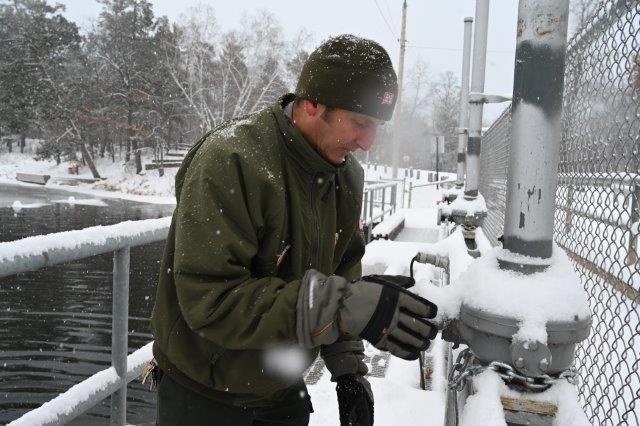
390	317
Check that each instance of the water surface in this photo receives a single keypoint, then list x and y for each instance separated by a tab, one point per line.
55	323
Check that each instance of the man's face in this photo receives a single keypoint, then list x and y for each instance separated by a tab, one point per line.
340	132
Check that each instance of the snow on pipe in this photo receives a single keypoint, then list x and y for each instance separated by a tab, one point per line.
536	126
475	108
85	395
32	253
463	119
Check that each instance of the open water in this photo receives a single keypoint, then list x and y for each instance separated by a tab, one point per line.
55	323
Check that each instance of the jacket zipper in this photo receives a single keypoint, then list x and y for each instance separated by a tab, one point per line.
313	257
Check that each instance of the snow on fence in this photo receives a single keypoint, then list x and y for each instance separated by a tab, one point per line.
597	202
45	250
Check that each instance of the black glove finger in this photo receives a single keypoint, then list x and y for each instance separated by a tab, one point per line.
407	337
419	328
401	349
417	305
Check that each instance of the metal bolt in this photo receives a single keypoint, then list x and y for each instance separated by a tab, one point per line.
544	365
520	362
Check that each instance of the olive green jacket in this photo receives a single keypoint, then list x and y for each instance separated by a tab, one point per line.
257	206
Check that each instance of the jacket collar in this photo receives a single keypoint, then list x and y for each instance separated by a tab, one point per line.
297	146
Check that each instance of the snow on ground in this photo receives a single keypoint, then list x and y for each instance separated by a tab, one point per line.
120	182
398	399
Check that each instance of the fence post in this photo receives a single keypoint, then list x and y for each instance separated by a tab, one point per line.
364	206
632	251
410	194
463	119
404	190
371	197
568	217
384	193
394	197
119	332
475	108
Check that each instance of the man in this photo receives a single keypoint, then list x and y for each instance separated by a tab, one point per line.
262	248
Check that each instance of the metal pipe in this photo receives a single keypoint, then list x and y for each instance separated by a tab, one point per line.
119	333
475	108
463	119
536	127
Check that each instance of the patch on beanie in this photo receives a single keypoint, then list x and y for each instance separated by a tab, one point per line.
387	98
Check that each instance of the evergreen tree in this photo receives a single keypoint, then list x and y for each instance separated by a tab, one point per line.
33	64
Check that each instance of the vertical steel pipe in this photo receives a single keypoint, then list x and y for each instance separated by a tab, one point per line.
463	119
536	127
119	332
475	108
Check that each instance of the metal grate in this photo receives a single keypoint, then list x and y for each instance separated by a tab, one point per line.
597	201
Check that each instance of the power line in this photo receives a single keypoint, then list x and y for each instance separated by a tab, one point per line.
454	49
389	13
385	20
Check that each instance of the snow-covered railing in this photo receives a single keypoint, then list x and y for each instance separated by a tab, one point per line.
32	253
379	199
83	396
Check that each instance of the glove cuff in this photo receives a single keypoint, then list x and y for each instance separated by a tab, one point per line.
344	357
319	299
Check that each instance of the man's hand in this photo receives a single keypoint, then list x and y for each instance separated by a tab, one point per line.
355	400
387	315
390	317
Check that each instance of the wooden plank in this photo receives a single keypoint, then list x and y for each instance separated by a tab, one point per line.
32	178
168	161
528	406
165	165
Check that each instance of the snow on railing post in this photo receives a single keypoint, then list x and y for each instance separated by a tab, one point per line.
119	333
463	120
476	106
536	129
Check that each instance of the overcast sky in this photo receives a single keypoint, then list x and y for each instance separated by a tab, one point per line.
434	28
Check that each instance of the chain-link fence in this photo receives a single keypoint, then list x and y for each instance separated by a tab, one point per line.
597	201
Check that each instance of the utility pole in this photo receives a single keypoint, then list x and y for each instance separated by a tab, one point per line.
398	113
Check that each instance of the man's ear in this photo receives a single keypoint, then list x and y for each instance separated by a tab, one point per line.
312	108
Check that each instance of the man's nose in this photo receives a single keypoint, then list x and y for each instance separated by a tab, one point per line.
365	140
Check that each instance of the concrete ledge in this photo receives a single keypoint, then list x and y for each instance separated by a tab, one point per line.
32	178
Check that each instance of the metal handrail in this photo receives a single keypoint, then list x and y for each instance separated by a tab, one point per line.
20	256
62	247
